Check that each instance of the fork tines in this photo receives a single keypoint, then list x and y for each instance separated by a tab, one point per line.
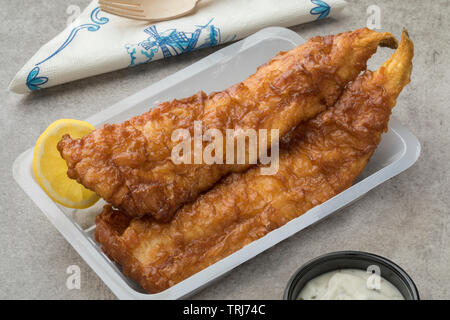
125	8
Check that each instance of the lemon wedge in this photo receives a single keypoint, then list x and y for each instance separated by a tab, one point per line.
50	169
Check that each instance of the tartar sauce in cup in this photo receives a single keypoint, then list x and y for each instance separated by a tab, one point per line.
349	284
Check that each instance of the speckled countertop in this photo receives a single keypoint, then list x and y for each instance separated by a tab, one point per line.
406	219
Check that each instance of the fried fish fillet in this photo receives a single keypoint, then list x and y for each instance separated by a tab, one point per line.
323	157
130	164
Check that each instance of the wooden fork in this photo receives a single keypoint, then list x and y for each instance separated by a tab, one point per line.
149	10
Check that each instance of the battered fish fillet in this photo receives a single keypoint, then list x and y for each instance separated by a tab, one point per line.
323	157
130	165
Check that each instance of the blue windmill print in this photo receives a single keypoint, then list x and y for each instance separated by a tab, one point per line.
172	42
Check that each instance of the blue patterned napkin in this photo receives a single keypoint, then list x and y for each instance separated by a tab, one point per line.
98	42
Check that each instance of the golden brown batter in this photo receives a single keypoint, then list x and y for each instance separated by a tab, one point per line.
323	157
130	165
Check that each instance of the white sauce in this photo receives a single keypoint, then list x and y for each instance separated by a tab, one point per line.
349	284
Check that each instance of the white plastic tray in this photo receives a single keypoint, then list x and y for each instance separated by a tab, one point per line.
398	150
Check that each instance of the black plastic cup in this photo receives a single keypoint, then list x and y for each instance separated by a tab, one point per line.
351	260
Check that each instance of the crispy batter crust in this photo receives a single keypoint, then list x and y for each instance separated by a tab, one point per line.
321	158
130	165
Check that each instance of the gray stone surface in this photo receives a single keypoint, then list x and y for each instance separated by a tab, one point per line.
407	219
